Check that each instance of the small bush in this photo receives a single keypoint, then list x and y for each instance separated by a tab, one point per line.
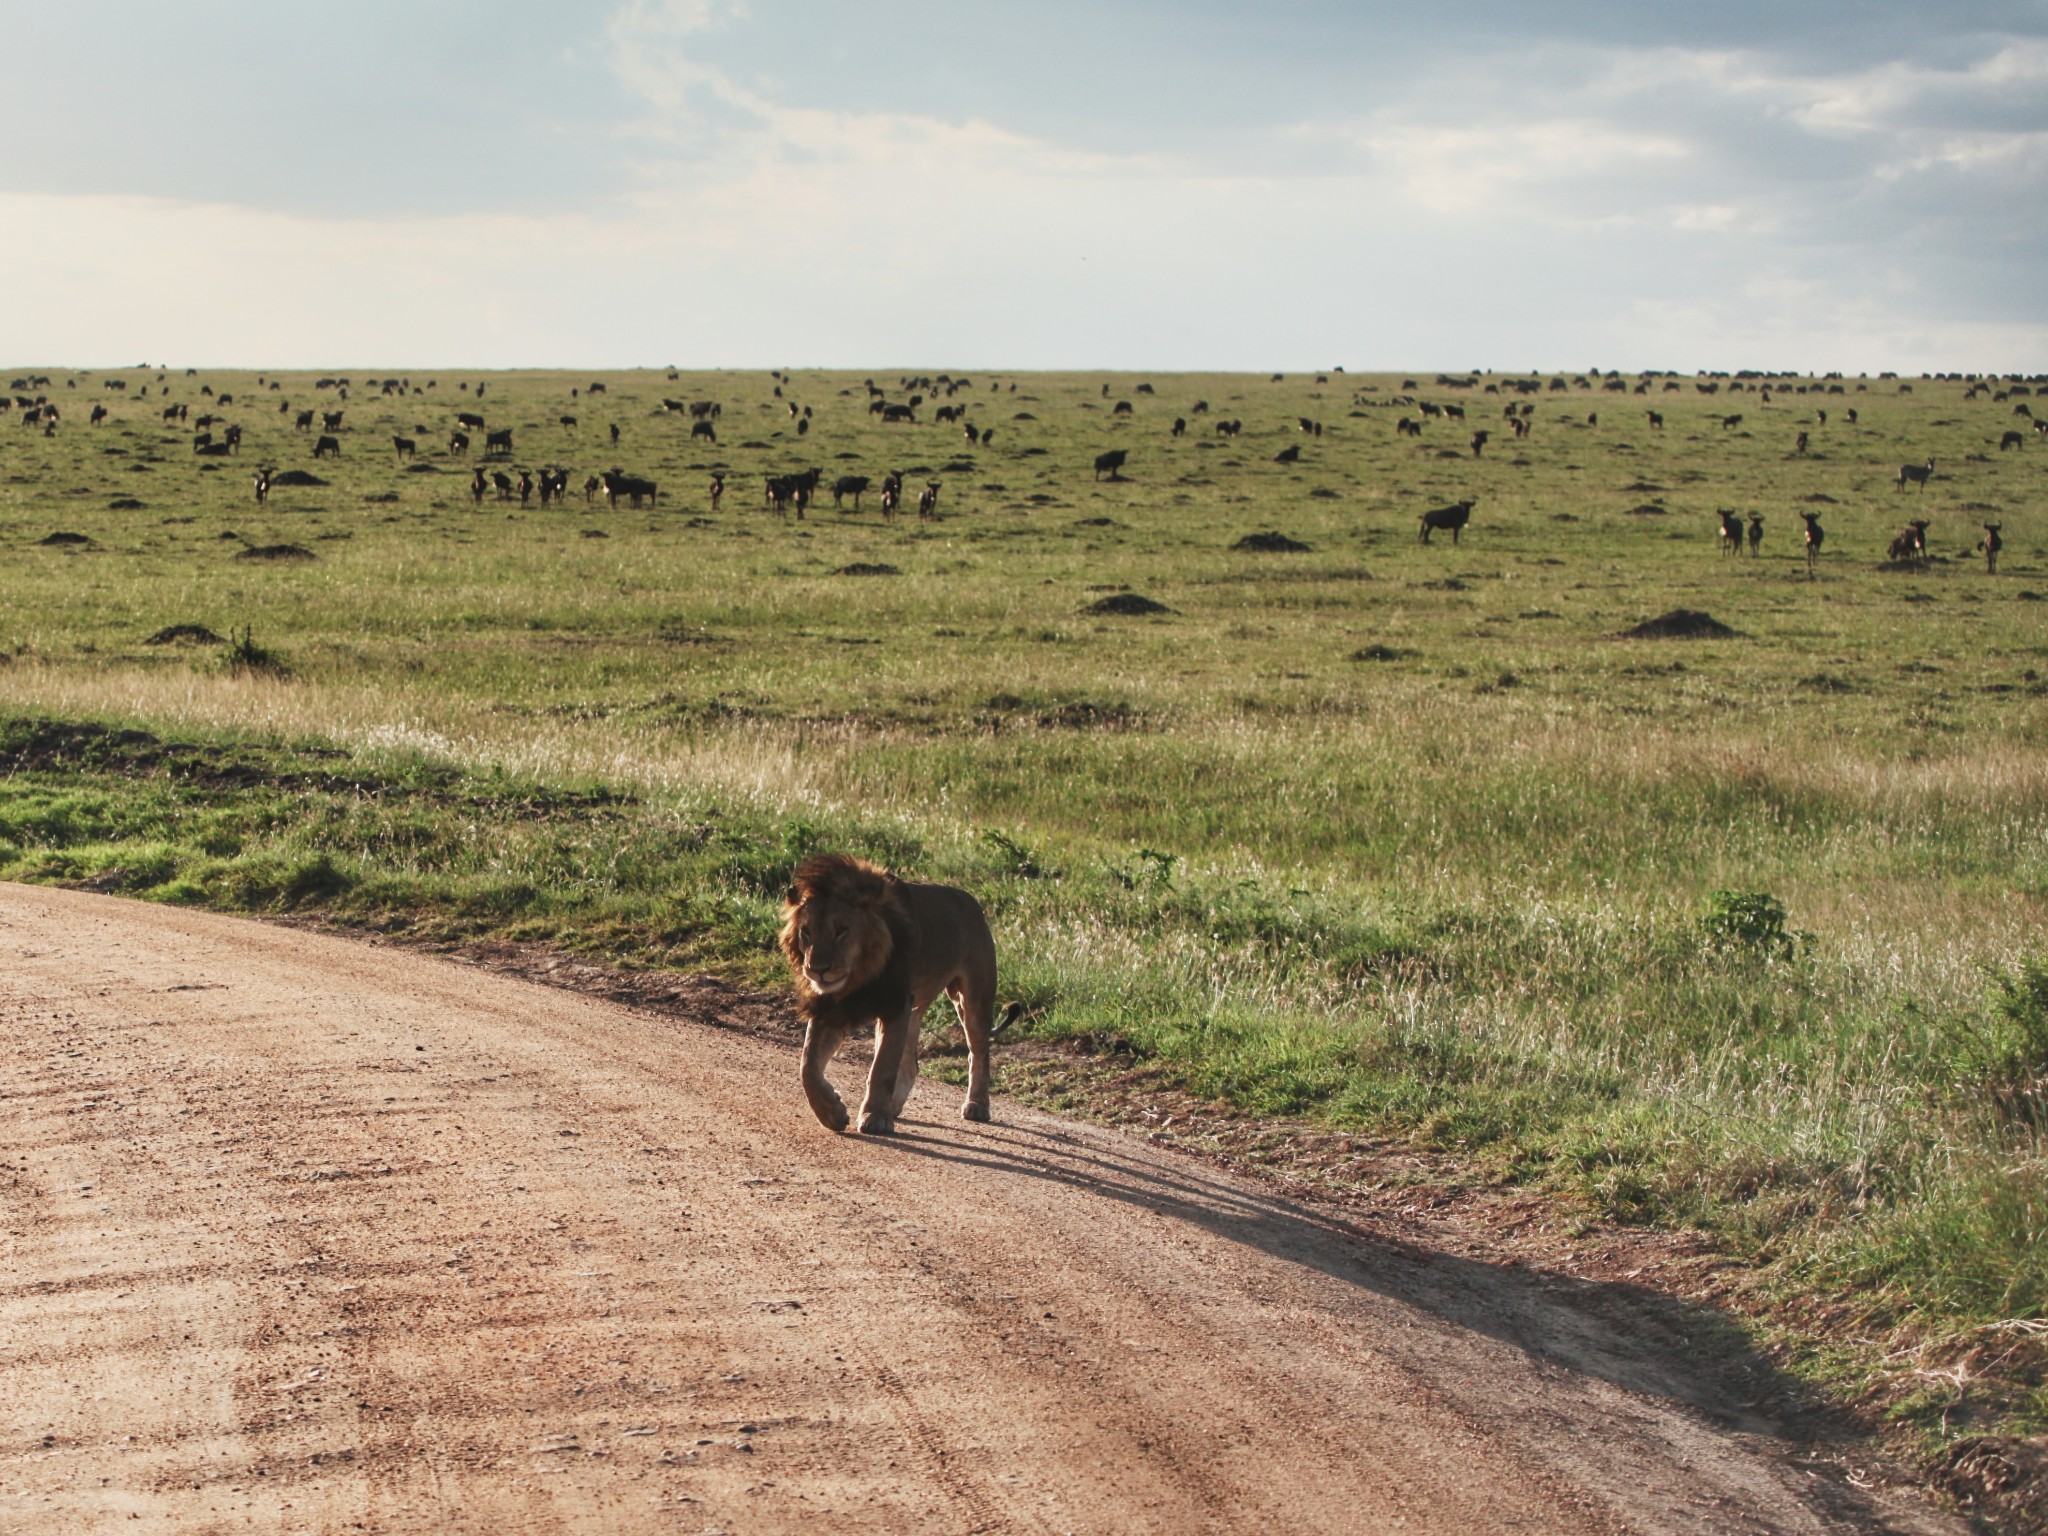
1752	921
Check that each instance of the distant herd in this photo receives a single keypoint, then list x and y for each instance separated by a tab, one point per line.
795	492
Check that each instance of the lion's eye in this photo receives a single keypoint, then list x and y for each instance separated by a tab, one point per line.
839	932
803	935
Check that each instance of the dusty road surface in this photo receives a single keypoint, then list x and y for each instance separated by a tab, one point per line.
301	1234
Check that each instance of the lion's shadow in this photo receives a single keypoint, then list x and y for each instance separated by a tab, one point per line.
1636	1338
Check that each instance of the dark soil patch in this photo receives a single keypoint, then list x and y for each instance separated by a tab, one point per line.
275	552
1820	499
381	498
174	634
1827	682
864	568
1271	544
1682	624
1649	509
1086	715
1384	653
1642	488
1094	522
63	540
1125	604
126	504
296	477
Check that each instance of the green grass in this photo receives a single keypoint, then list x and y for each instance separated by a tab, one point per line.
1744	933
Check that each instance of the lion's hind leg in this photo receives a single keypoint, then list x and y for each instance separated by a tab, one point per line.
977	1022
821	1044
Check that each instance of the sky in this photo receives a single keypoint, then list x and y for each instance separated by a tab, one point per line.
1287	184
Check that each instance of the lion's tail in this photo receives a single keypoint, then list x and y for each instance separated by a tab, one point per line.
1009	1016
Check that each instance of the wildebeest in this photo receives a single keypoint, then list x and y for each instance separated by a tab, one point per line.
1756	534
1731	531
1479	440
331	420
303	422
1656	418
262	486
525	487
1229	428
1121	408
502	482
928	502
567	421
899	413
615	434
458	443
1180	426
1454	517
1407	427
1799	443
470	419
326	446
1288	455
1910	542
1815	534
1991	545
99	414
1112	462
704	429
2010	440
1730	421
404	447
849	485
717	490
477	485
498	445
633	487
1918	474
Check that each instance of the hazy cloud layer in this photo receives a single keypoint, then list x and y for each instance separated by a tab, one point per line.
1156	186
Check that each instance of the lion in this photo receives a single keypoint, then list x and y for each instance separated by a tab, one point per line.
866	946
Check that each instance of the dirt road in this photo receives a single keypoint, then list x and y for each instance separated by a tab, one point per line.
300	1234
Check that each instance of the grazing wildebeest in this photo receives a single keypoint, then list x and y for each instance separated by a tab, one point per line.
262	486
404	447
177	413
633	487
928	502
703	429
1991	546
1852	417
498	445
1479	440
525	487
99	414
326	446
1112	461
1656	418
1815	534
1910	542
1918	474
849	485
1229	428
1454	517
2010	440
1731	531
502	483
717	490
1821	417
1121	408
303	422
1730	421
1180	426
331	420
458	444
899	413
1288	455
477	486
1756	534
469	419
1407	427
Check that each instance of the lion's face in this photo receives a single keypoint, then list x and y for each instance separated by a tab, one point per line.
834	945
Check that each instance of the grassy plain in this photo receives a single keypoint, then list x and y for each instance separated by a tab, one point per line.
1404	838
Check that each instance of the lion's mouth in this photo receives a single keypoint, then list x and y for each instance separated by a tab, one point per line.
825	982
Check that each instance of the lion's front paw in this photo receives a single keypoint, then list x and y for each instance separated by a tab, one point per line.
975	1110
877	1125
833	1117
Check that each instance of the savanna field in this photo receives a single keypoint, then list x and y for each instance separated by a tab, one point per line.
1741	930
